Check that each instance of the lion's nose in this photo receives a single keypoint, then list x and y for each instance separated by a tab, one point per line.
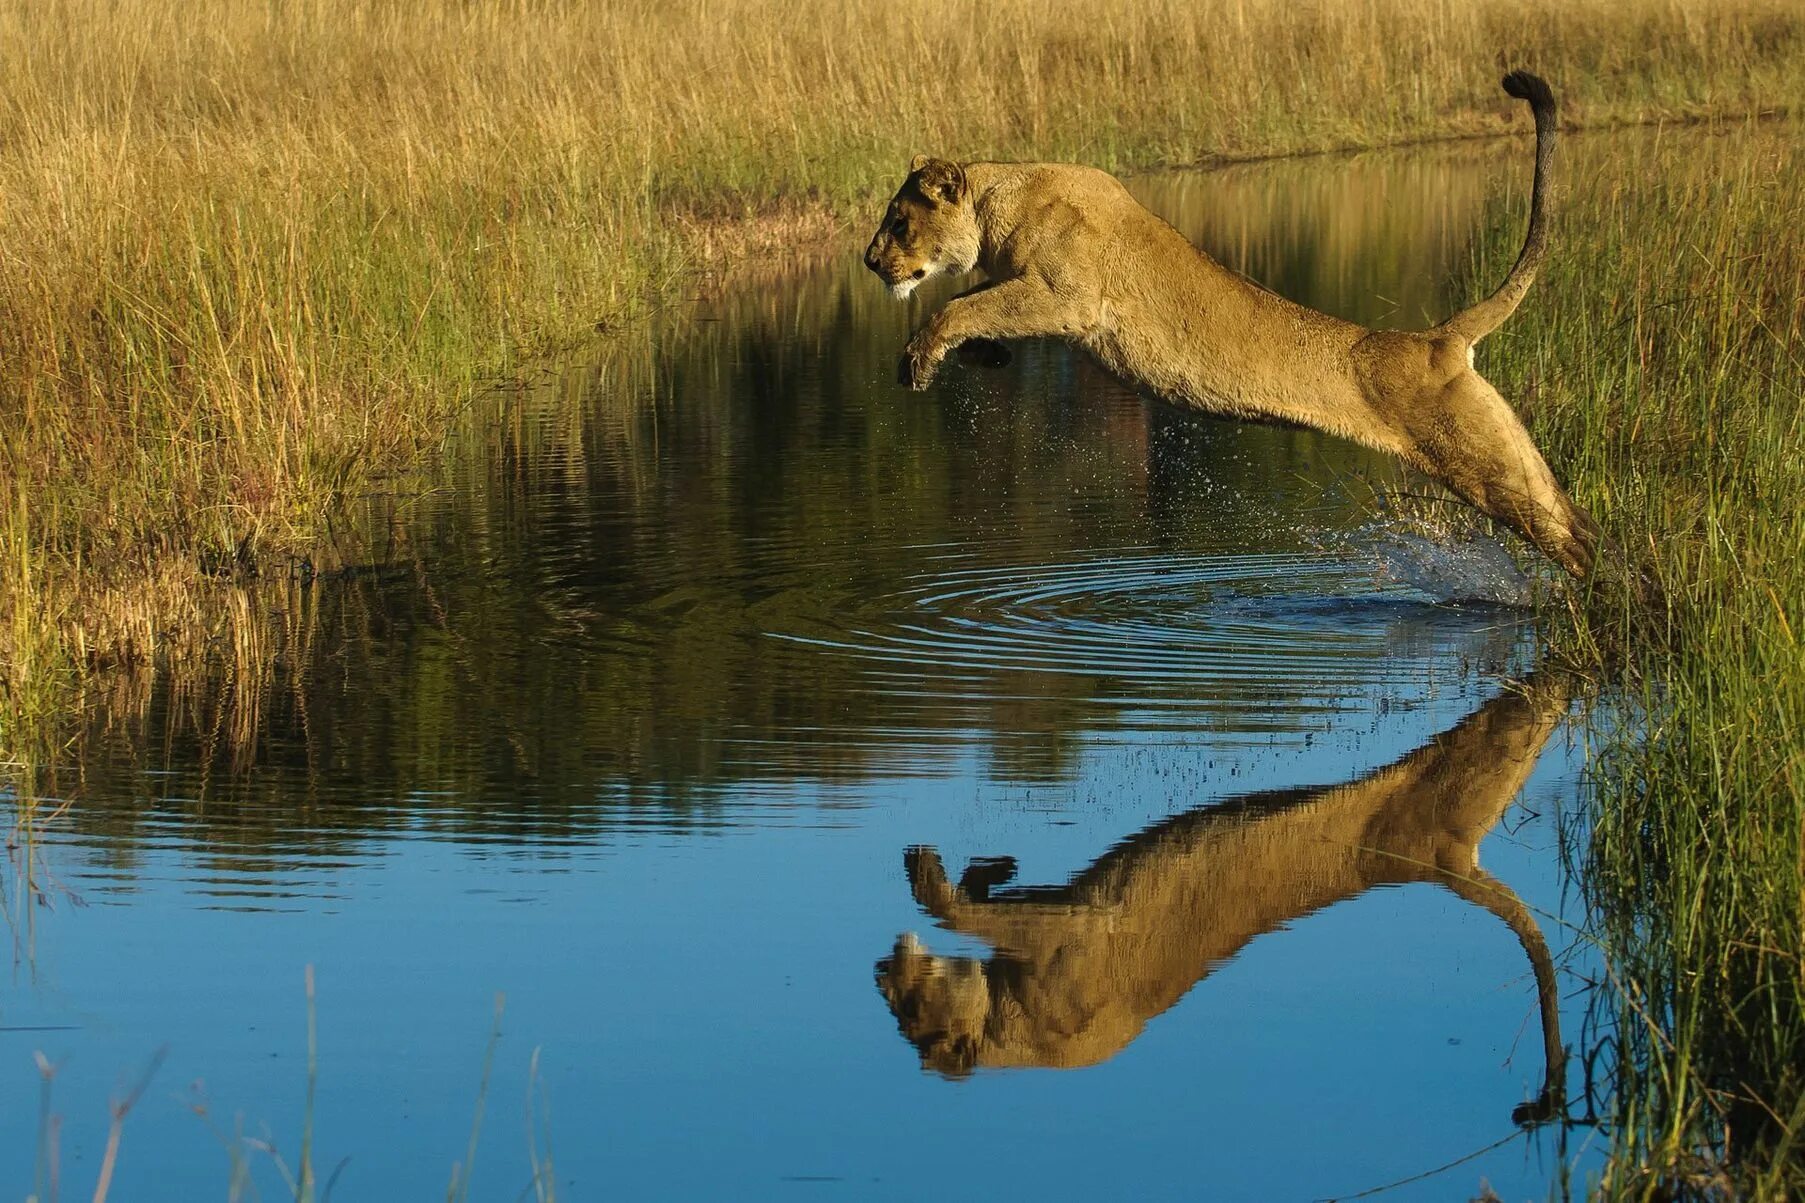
871	257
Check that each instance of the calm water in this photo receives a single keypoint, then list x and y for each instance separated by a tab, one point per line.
1016	791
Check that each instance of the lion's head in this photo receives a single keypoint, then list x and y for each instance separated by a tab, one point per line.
942	1004
930	228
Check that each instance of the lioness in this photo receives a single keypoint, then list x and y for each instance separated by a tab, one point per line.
1070	254
1079	969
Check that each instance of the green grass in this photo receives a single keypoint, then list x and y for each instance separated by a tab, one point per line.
1662	352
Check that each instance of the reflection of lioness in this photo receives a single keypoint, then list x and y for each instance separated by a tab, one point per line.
1070	254
1078	970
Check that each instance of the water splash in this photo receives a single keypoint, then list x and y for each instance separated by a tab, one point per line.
1463	568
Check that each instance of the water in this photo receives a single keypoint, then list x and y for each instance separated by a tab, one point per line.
1013	791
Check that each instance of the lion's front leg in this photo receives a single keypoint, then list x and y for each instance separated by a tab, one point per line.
1019	308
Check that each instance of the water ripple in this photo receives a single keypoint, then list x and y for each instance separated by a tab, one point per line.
1304	619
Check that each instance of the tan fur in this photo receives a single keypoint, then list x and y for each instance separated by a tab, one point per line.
1070	254
1079	970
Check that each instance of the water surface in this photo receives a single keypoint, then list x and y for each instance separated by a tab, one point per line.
1018	791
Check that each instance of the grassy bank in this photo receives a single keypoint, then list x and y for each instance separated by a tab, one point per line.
1662	354
255	254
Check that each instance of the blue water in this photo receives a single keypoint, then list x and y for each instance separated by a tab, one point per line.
636	722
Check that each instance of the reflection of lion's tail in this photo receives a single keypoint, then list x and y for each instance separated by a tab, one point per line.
1475	323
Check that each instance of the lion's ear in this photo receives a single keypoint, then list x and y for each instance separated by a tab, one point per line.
939	179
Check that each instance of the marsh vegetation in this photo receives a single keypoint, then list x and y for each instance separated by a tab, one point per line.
1662	364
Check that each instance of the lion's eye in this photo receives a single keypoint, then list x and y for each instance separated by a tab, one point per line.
898	226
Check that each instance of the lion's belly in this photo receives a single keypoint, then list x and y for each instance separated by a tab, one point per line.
1185	368
1287	372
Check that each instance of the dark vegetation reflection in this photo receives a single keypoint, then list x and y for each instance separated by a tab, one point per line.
734	554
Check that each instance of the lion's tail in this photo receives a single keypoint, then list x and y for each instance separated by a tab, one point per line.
1480	320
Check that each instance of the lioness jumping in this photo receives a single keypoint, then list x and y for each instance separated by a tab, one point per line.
1070	254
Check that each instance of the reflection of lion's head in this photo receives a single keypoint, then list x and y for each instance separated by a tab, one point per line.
942	1004
928	229
962	1013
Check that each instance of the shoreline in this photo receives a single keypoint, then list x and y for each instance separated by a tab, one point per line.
175	613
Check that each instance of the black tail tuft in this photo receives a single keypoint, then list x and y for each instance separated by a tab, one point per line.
1533	88
1476	321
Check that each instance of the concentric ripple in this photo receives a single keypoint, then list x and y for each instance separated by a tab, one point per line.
1172	626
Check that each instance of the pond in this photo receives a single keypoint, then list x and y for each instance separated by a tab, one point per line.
1019	790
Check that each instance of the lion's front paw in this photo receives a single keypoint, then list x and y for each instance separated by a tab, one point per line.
915	373
927	879
917	368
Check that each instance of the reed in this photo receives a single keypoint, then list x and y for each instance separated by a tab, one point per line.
1661	356
255	254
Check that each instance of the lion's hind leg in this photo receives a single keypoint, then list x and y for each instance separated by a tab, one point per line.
1474	442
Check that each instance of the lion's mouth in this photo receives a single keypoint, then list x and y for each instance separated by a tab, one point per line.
900	289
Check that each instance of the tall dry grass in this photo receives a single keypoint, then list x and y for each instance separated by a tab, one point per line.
252	254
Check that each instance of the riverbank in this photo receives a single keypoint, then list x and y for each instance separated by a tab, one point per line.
250	274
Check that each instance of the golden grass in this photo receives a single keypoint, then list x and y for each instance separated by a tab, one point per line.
252	255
